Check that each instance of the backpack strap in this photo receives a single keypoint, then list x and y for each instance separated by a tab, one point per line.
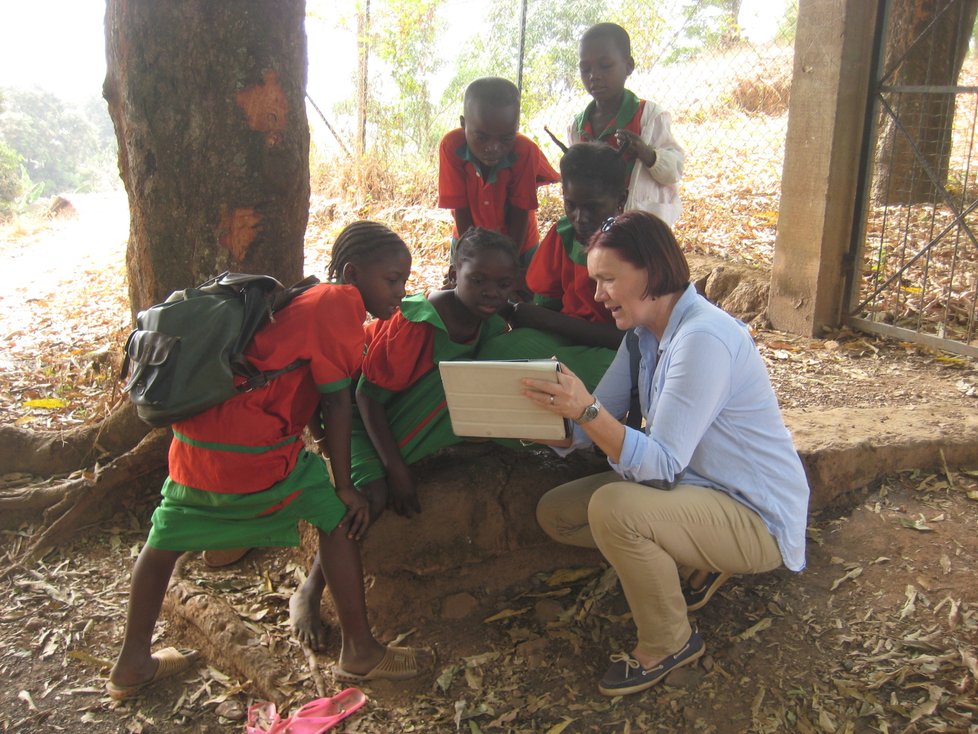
634	418
281	298
260	379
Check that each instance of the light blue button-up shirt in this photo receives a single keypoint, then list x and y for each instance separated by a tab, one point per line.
711	419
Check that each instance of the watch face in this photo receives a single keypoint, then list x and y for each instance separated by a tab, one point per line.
590	413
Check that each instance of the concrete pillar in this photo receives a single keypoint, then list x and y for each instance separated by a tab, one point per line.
826	115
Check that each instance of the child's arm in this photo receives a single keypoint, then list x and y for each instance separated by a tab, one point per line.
585	333
337	421
517	221
400	483
463	220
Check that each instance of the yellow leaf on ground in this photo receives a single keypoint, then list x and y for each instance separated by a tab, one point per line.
557	728
48	403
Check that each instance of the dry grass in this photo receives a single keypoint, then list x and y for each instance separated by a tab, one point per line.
766	93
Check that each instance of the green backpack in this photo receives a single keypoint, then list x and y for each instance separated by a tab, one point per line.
186	351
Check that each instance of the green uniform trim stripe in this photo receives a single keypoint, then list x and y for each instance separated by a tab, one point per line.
466	154
576	252
230	447
334	386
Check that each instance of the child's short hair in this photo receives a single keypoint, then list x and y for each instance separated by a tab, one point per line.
477	239
597	164
358	242
613	32
492	91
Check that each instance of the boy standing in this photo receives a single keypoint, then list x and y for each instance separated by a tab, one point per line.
488	173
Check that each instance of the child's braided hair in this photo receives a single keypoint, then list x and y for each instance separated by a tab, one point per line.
359	242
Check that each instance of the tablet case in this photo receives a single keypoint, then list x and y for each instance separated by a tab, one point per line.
486	400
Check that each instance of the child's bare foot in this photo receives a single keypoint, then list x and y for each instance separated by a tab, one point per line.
307	627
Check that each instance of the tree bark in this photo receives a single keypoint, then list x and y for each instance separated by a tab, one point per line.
207	99
926	45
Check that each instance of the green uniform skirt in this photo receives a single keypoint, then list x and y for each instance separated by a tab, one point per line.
191	519
419	420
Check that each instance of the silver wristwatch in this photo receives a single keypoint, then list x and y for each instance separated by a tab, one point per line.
589	414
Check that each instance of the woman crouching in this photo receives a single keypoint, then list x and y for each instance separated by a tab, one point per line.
711	482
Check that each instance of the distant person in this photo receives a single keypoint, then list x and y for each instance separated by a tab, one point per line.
488	173
564	320
711	482
401	397
638	127
240	477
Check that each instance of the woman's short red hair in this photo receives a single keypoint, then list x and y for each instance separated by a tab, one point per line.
645	241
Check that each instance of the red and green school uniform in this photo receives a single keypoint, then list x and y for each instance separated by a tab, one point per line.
653	189
400	371
511	182
239	475
559	281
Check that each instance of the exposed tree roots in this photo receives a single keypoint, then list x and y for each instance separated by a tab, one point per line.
47	453
215	626
69	505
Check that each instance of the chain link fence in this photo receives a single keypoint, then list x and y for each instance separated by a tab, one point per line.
721	67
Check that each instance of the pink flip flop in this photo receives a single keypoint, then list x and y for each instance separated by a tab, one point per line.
315	717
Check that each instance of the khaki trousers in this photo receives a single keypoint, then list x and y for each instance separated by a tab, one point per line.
647	534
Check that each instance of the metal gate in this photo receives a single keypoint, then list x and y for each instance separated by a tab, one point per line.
914	247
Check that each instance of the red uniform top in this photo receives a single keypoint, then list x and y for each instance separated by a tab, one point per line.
402	349
513	181
250	442
558	276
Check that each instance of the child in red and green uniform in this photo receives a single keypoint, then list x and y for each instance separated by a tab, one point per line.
240	477
488	173
639	127
564	320
401	397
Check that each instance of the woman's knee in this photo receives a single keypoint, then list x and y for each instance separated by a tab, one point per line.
605	508
548	512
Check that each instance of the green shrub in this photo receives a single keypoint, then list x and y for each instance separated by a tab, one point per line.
11	179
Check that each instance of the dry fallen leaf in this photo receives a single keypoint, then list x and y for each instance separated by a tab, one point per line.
918	524
505	614
754	629
852	574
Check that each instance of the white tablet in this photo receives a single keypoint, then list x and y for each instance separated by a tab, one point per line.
486	400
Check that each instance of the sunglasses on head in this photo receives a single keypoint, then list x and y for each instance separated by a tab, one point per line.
607	224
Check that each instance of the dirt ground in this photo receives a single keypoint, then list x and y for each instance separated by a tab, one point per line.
880	633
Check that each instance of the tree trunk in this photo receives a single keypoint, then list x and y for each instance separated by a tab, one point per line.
926	45
207	99
208	104
363	54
